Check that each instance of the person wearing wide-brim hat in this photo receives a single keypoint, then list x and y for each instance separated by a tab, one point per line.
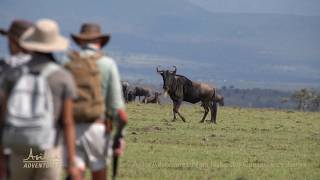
41	40
44	37
90	33
18	54
91	40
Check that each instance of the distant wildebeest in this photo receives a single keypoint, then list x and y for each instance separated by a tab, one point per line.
130	94
152	99
219	99
142	91
181	89
125	87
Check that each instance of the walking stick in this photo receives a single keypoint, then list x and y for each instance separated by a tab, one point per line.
115	166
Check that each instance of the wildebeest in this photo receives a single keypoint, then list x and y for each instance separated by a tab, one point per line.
181	89
220	99
153	99
125	88
131	94
142	91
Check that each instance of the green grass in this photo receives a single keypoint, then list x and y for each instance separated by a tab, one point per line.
245	144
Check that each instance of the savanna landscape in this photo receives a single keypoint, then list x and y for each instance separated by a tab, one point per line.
245	144
262	56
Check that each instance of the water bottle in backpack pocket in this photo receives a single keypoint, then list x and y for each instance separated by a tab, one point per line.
29	121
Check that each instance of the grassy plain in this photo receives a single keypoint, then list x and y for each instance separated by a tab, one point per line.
245	144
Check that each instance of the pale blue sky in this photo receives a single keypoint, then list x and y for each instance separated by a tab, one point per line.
260	47
299	7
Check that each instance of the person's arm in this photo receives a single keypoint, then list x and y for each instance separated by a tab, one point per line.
119	142
116	102
4	91
114	96
2	114
69	136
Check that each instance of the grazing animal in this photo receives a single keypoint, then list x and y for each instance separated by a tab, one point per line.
131	94
155	99
181	89
220	99
142	91
125	87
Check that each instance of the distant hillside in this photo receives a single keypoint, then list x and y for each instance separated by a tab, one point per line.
257	98
246	50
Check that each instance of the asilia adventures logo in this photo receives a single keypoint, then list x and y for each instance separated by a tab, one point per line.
41	160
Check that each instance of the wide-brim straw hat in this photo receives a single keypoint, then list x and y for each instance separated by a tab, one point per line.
44	37
16	29
90	32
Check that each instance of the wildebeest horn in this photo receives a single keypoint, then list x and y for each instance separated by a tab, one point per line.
175	69
158	69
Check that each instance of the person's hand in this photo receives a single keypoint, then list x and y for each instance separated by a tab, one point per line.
119	146
74	173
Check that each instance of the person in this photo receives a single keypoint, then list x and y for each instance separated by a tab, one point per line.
51	99
18	55
94	137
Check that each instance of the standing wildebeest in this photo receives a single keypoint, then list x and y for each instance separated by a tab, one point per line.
181	89
142	91
153	99
131	94
220	99
125	88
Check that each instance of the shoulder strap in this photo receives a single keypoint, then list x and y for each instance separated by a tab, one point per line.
77	55
73	54
97	55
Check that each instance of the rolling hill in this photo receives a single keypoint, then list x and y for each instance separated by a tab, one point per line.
244	49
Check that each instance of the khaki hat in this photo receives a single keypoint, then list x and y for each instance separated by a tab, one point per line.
44	37
17	28
89	32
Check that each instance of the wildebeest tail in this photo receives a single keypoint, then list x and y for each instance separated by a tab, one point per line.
214	106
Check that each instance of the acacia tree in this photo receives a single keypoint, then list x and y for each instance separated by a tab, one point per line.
302	97
315	102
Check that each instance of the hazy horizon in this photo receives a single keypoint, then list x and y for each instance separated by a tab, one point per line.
248	43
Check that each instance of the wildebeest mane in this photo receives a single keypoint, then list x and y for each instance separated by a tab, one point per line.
180	82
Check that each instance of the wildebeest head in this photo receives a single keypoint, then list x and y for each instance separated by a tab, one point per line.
168	77
220	100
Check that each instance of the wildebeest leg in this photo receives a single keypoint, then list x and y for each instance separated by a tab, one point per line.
214	109
173	110
176	110
206	110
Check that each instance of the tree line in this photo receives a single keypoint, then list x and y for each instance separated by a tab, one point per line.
302	99
307	99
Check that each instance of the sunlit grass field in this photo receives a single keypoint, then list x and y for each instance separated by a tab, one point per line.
245	144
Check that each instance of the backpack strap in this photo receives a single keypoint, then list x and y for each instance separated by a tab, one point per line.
73	54
77	55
